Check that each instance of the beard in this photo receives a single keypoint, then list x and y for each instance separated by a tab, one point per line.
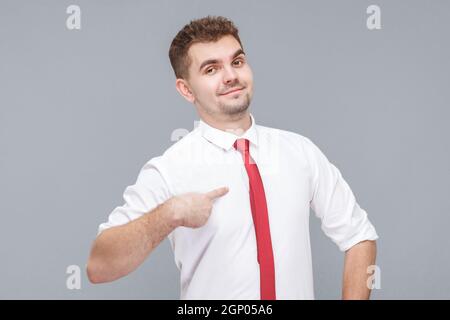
235	106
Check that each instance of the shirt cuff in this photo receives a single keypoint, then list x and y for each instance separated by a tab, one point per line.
366	232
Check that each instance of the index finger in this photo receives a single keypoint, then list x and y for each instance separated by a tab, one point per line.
216	193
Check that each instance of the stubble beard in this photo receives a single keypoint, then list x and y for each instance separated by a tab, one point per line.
235	108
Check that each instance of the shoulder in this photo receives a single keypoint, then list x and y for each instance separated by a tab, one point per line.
296	145
294	139
182	149
177	154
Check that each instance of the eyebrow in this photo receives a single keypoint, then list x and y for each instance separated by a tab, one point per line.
212	61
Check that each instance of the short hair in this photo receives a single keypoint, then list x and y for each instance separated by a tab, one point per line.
207	29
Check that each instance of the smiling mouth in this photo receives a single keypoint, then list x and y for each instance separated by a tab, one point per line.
232	91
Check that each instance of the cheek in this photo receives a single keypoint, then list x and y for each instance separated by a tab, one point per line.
213	86
206	90
247	76
249	81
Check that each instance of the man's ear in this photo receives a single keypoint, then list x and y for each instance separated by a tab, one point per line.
183	88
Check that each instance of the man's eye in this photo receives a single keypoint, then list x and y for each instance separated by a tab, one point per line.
238	63
210	70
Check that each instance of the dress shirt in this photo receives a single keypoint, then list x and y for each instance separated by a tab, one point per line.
219	259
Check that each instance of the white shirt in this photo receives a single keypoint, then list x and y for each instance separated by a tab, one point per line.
218	260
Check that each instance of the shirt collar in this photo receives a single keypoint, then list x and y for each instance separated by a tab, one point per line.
225	139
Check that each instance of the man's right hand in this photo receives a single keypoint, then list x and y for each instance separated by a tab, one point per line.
193	209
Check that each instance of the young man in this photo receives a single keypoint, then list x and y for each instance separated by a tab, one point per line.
233	197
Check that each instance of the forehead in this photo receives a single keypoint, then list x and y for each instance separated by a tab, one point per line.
222	49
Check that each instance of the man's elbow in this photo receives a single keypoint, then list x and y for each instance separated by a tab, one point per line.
97	268
94	273
102	271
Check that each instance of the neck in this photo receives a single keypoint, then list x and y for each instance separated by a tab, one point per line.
236	124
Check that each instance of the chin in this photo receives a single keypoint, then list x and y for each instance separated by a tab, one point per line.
235	109
234	106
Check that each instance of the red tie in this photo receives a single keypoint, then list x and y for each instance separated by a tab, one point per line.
261	222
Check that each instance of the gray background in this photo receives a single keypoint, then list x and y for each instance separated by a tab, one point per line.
81	112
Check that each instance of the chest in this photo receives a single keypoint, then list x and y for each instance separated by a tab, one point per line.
286	182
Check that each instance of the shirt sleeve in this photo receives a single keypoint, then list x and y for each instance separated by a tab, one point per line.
342	219
149	190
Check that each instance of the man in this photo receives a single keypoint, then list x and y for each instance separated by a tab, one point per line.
233	197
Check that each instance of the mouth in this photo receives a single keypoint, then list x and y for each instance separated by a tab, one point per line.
233	91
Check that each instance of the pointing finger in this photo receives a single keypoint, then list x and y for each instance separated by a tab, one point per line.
216	193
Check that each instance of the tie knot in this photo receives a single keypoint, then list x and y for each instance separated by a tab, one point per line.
242	145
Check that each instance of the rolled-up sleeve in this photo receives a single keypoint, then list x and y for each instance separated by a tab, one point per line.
147	193
332	200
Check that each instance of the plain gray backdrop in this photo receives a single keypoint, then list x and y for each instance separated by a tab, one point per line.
81	111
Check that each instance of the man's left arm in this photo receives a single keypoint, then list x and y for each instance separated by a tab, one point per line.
343	220
357	259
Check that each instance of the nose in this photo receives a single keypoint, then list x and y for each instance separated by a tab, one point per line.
230	75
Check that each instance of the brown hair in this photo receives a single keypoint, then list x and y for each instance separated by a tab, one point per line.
208	29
